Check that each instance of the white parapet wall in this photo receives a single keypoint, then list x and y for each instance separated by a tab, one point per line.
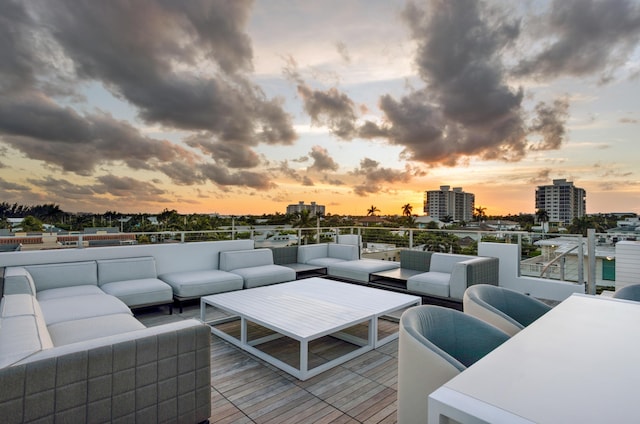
627	263
509	274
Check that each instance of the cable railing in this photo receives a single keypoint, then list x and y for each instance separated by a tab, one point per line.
551	256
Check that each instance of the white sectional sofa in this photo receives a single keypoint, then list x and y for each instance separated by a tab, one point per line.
342	260
449	275
255	267
132	280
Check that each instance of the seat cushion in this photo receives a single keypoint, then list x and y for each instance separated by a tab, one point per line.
430	283
201	283
232	259
114	270
324	262
143	292
266	274
68	292
78	307
78	330
359	270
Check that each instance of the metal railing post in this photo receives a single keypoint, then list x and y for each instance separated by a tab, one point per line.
591	256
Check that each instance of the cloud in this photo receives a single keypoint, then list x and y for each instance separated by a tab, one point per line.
374	177
187	67
582	37
628	121
222	177
9	186
331	108
343	51
306	181
321	160
549	124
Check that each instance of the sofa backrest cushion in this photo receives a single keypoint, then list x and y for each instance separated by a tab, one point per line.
23	331
112	270
418	260
348	252
234	259
285	255
444	262
66	274
312	251
17	280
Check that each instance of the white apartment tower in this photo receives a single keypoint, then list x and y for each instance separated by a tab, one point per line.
446	202
314	209
562	201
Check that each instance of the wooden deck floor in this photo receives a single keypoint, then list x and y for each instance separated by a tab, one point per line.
245	389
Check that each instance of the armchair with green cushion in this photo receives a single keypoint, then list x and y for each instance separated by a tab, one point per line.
506	309
435	345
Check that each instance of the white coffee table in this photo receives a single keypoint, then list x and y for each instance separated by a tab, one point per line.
306	310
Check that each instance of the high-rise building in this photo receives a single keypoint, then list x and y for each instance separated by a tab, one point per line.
446	202
313	208
562	201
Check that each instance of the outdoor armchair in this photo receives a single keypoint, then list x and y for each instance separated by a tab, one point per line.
631	292
435	345
506	309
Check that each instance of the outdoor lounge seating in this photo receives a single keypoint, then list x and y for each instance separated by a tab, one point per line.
630	292
256	267
449	275
435	345
509	310
86	358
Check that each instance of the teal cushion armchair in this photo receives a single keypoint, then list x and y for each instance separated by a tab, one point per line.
435	345
506	309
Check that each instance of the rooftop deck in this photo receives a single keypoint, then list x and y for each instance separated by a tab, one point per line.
245	389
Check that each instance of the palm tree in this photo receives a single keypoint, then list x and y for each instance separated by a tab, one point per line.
372	210
542	215
407	209
480	213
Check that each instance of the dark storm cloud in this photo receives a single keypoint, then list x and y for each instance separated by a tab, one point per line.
181	64
321	160
61	188
582	37
374	177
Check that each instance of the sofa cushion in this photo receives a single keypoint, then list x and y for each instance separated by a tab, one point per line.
78	330
68	292
359	270
430	283
234	259
53	276
324	262
347	252
78	307
111	270
312	251
266	274
201	283
142	292
23	331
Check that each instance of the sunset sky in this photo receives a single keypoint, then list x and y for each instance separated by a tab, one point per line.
244	107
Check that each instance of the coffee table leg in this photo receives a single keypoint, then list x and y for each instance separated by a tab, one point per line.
304	359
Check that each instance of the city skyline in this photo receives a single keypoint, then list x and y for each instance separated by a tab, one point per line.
245	107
